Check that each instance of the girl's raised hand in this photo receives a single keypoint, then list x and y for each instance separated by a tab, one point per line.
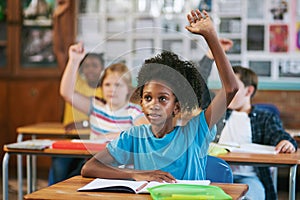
200	23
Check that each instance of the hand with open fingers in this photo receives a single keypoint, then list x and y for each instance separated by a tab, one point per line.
285	146
154	175
200	23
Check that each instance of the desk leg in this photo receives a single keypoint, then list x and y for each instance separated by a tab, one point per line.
29	174
34	173
20	170
20	176
34	168
292	184
5	176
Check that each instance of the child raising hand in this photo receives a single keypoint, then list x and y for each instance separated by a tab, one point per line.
161	151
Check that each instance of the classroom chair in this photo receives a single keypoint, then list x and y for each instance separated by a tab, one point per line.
218	170
269	107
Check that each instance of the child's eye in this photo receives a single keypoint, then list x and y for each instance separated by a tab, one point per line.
162	99
147	98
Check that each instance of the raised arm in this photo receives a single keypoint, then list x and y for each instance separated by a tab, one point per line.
226	45
205	64
201	24
67	84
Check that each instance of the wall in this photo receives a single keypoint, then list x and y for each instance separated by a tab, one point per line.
287	103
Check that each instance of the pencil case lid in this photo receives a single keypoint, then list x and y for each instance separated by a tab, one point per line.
187	191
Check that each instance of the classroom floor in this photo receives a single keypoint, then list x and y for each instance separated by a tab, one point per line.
42	182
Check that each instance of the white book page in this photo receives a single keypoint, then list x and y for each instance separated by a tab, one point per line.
256	148
248	148
99	183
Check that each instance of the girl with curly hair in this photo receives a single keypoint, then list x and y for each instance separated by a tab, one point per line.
163	151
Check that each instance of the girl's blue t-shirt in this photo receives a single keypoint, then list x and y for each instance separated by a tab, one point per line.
182	152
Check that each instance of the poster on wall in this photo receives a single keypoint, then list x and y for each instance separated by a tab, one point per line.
256	9
205	5
279	10
261	67
298	35
289	68
279	38
255	38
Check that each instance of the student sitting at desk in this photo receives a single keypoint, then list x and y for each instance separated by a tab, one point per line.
246	123
162	151
87	84
109	115
262	127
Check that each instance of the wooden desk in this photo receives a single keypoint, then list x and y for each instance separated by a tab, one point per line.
278	160
269	160
45	129
30	153
68	190
52	129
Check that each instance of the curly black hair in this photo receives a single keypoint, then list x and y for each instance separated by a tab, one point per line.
181	76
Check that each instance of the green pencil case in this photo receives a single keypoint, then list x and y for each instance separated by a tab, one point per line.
187	191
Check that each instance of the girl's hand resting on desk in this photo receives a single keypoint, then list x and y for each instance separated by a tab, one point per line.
284	146
155	175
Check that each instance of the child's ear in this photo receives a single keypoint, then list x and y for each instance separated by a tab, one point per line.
176	108
141	104
251	90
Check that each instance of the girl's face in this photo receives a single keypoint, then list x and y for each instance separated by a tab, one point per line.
92	68
115	91
159	104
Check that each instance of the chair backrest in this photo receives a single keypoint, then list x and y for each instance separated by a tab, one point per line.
218	170
269	107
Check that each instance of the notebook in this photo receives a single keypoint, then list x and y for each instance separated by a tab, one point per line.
127	186
246	148
31	144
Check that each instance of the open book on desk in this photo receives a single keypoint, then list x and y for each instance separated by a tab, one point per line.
113	185
37	144
246	148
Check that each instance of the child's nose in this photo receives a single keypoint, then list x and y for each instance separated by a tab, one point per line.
155	105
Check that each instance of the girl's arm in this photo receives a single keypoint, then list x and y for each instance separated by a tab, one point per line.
67	84
200	23
99	167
